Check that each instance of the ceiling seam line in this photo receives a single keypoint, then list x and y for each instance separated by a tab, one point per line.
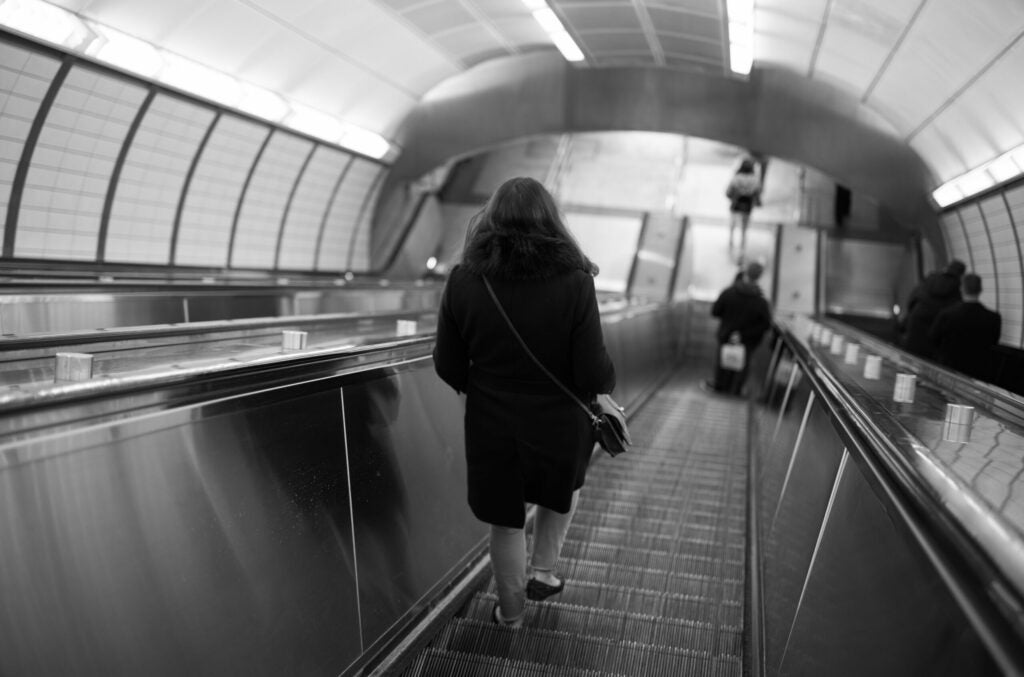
680	10
648	29
693	37
331	50
821	38
967	85
892	52
723	28
471	7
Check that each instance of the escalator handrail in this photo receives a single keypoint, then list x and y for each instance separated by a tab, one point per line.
997	402
16	401
976	554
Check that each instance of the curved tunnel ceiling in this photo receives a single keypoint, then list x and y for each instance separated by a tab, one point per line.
775	113
942	75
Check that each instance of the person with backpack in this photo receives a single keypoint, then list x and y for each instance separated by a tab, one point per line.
744	193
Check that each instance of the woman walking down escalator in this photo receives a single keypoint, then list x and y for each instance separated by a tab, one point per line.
526	441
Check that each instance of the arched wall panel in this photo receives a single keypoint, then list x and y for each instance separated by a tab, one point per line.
1008	262
1014	198
985	233
953	230
212	200
346	213
24	80
99	165
308	207
72	165
263	208
981	250
359	252
152	179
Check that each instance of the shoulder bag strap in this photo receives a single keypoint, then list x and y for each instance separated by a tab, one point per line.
529	352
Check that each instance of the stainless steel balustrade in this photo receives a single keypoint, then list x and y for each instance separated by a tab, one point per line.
289	515
26	312
878	557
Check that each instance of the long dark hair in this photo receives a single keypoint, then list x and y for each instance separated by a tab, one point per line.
523	207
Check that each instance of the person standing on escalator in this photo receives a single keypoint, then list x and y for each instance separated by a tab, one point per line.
938	291
526	440
744	193
744	316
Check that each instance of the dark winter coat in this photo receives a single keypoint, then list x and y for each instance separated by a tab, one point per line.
742	307
964	335
526	441
934	294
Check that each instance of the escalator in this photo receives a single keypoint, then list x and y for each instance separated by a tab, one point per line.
654	561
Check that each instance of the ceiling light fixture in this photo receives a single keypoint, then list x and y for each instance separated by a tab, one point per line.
55	25
262	103
313	122
124	51
1007	166
191	76
549	21
741	35
46	22
364	141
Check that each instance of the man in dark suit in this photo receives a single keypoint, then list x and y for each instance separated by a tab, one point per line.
965	334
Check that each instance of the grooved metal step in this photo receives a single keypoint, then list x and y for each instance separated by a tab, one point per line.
653	562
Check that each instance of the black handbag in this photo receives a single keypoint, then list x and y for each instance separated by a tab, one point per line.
606	416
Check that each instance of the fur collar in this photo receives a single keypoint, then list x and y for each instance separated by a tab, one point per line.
514	255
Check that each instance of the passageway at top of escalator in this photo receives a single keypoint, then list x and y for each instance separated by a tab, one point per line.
654	561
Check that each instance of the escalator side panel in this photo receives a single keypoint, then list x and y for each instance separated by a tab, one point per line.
791	533
407	464
872	605
198	541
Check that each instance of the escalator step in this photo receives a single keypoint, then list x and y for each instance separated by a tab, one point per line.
668	605
652	579
568	649
438	663
619	625
654	563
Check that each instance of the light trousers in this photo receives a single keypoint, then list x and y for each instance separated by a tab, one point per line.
739	220
508	555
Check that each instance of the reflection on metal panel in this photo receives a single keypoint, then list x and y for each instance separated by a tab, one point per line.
870	606
778	441
408	475
59	313
210	529
202	541
610	240
864	277
656	259
792	535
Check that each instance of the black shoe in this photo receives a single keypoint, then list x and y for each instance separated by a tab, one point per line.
708	387
496	617
538	590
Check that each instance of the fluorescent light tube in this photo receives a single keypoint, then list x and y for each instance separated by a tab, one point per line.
364	141
565	44
44	21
